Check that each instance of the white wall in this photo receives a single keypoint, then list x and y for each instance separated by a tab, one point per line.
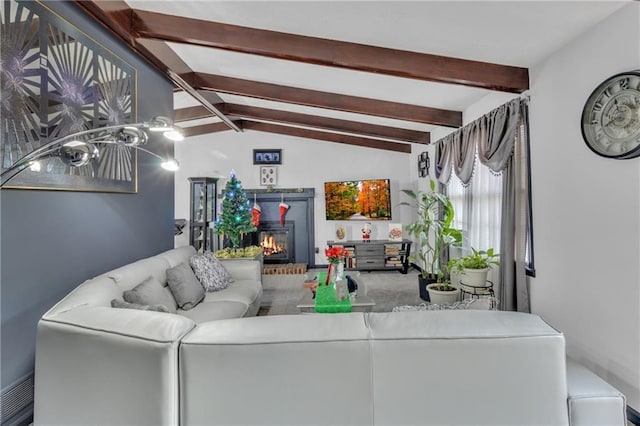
306	164
587	208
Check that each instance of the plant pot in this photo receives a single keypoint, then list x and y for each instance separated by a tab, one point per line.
422	286
443	297
474	277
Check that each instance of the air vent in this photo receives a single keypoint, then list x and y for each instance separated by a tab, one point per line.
17	396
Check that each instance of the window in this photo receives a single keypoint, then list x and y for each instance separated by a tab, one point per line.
477	209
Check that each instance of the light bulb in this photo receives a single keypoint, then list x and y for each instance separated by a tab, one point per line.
171	164
174	135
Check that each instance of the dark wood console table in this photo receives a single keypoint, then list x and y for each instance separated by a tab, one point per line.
376	255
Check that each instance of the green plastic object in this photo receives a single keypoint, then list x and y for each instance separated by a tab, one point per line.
326	302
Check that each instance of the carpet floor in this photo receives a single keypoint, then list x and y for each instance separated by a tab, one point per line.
281	293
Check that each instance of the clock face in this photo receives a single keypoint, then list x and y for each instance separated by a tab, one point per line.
611	117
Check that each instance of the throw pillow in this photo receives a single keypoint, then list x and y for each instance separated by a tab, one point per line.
115	303
185	286
210	272
150	292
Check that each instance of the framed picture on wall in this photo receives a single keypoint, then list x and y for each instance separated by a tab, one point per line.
267	156
268	175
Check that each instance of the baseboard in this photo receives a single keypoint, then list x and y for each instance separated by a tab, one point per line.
633	416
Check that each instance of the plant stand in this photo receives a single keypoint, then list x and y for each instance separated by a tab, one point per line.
474	292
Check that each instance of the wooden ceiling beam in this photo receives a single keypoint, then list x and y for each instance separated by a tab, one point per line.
190	113
207	128
333	53
325	136
339	102
326	123
322	123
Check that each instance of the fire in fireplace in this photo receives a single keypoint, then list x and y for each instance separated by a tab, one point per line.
273	243
276	241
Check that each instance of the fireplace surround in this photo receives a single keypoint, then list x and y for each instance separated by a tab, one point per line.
299	228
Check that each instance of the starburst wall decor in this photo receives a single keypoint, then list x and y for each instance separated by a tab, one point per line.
55	81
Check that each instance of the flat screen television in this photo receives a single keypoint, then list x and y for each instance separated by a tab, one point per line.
358	200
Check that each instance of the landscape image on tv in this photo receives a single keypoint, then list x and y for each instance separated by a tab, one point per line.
358	200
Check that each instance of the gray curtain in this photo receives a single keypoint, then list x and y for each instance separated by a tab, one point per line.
499	141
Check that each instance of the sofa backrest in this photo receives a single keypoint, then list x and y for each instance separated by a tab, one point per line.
99	291
278	370
425	367
467	367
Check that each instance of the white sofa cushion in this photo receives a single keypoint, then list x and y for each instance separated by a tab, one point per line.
213	311
592	401
242	291
94	292
177	255
129	276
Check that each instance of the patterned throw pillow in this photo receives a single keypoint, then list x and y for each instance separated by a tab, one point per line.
210	272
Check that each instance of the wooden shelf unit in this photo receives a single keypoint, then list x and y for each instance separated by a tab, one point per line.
376	255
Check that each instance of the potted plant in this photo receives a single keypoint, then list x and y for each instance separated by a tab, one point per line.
434	235
473	268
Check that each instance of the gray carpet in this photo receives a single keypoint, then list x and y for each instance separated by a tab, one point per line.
387	288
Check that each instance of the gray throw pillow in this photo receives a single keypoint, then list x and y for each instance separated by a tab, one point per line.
115	303
150	292
185	286
210	272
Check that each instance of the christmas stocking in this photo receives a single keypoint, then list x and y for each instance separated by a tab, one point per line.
283	211
255	214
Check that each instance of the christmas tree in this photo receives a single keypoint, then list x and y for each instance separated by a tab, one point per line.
236	219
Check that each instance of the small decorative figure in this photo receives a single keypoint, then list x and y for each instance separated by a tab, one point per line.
366	232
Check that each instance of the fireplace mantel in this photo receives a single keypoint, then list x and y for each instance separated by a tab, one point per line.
301	211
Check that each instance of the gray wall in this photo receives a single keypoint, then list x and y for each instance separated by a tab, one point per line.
54	240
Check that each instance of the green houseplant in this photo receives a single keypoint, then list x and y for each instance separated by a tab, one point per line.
434	235
473	268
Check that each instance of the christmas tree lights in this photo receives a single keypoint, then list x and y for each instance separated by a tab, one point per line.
236	217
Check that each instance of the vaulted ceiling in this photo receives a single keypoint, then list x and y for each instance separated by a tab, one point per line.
374	74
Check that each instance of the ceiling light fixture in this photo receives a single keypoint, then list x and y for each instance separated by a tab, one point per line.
76	151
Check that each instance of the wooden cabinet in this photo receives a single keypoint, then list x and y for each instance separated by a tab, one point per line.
203	214
376	255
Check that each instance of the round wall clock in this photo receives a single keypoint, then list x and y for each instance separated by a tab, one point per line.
611	117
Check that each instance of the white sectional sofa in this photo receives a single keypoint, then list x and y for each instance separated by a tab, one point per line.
100	365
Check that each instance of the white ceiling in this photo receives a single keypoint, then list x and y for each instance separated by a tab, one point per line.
518	33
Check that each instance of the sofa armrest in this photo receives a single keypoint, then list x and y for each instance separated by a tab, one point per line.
591	400
243	269
147	325
106	366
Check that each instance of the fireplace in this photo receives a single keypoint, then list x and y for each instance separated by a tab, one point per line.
293	242
277	242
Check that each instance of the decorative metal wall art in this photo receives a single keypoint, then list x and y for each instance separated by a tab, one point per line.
423	164
55	81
